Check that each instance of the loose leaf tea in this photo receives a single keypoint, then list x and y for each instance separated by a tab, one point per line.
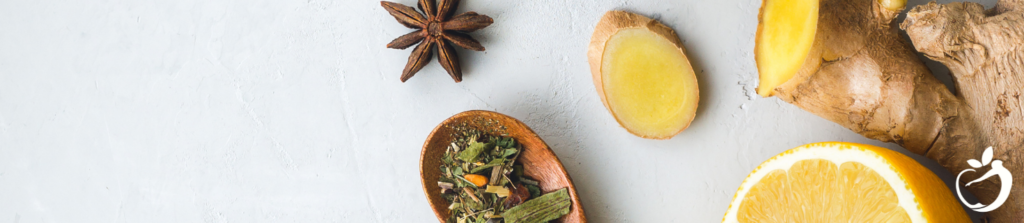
483	183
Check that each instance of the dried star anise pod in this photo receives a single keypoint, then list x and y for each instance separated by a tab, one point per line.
437	29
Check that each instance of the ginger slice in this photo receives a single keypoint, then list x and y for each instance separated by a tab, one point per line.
785	34
643	76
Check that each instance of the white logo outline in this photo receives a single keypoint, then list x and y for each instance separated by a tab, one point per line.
1005	178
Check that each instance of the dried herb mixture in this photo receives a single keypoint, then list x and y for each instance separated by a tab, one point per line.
483	183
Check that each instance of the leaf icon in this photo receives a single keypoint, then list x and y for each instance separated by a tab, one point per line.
974	163
986	157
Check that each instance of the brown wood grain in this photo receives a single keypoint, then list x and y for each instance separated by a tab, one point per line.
538	161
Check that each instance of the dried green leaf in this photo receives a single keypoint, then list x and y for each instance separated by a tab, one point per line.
545	208
471	152
458	172
447	160
509	152
473	205
507	142
493	163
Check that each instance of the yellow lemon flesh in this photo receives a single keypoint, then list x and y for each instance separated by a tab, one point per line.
649	84
843	182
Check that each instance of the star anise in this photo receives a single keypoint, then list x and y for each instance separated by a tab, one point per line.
437	29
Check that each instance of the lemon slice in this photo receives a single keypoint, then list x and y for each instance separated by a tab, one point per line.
843	182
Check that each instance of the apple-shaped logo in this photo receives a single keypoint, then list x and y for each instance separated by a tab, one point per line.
1006	181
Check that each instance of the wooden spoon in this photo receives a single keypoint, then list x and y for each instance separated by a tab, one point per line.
538	161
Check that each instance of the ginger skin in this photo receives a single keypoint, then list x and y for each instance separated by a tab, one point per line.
862	75
984	50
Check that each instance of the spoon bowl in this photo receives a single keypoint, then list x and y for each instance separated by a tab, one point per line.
538	161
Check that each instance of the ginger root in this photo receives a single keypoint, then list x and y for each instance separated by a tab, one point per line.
642	74
862	75
984	50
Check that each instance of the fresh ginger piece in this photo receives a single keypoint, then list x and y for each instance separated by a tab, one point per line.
648	83
861	74
785	34
643	76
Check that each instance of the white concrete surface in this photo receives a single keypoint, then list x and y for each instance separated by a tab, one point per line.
292	111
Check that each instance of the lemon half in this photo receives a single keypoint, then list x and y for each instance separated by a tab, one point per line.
843	182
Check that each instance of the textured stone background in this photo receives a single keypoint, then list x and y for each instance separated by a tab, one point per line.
292	111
